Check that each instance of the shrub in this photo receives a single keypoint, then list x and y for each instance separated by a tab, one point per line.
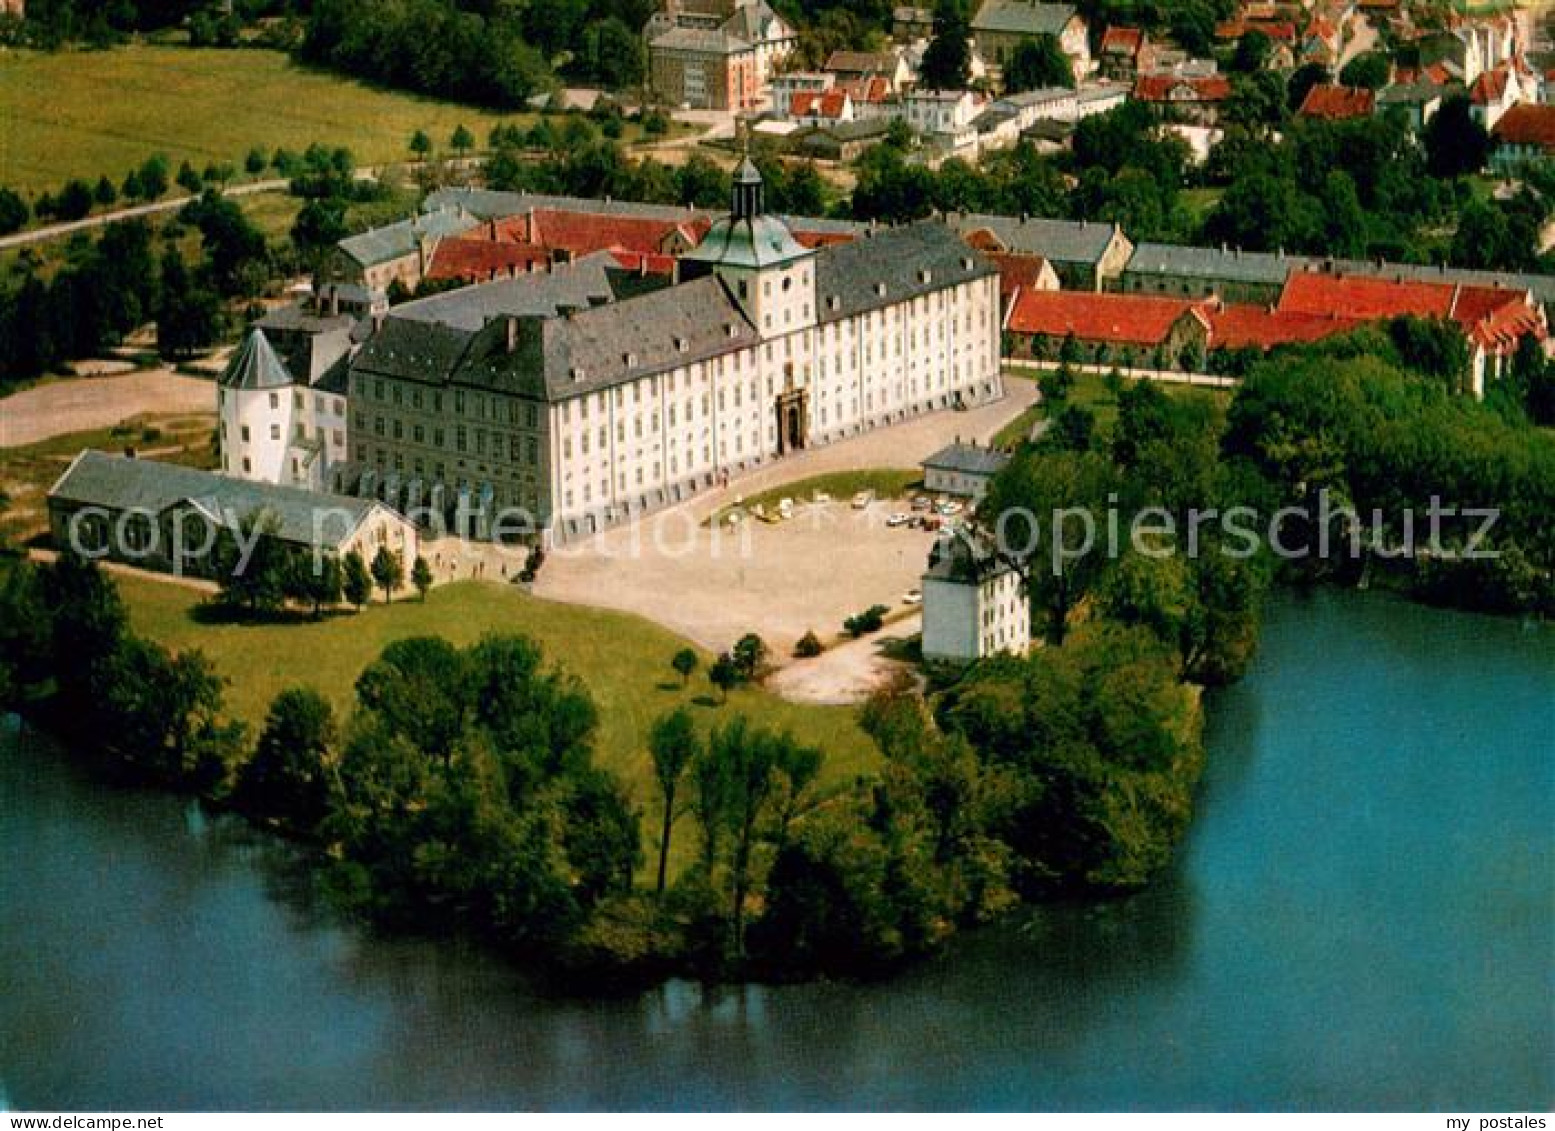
809	645
870	620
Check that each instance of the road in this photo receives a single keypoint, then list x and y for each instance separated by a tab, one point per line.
171	204
1362	39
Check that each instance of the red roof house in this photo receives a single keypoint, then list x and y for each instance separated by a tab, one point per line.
1333	103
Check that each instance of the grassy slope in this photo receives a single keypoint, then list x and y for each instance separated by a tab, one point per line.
1090	391
88	113
623	659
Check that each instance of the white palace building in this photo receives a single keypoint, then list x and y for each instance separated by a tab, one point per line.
549	394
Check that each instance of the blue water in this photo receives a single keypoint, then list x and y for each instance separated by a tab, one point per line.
1363	917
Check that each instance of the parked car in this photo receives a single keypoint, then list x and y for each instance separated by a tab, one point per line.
948	507
786	508
898	519
863	499
922	503
912	597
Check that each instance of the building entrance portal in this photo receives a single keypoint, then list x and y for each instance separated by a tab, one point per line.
792	421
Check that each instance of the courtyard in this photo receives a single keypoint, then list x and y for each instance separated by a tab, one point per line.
714	583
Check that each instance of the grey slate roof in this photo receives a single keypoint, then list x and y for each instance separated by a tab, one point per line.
967	459
962	557
395	241
120	483
254	365
847	275
571	286
704	41
1178	261
1020	17
1062	241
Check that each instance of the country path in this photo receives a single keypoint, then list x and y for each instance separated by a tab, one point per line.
82	404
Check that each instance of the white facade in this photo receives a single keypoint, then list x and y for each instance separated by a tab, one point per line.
290	435
973	614
673	434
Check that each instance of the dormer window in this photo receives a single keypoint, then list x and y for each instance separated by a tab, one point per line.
925	276
629	359
681	345
833	302
577	373
880	290
966	263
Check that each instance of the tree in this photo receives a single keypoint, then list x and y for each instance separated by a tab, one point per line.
254	568
316	581
1037	62
13	211
421	577
189	314
750	652
1302	81
104	194
290	775
947	61
684	662
356	582
388	570
188	179
1252	52
461	141
673	745
74	201
1456	145
256	161
1370	70
724	674
152	178
750	760
320	224
1044	510
420	146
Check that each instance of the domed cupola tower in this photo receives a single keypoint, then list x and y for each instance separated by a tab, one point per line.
766	269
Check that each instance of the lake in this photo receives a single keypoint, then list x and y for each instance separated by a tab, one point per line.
1362	917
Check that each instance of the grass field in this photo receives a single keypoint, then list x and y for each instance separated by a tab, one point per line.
1090	391
623	659
82	114
886	483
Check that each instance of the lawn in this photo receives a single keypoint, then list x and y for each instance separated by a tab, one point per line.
623	659
83	114
1090	390
886	483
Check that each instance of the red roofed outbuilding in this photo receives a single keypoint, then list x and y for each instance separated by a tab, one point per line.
1332	103
1108	329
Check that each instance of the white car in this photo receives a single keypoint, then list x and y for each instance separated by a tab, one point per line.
912	597
863	499
898	519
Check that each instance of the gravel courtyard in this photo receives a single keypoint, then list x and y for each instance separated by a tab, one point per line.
826	563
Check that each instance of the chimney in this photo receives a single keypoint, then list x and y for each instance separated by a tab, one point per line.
512	333
334	301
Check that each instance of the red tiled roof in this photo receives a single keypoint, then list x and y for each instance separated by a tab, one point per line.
1281	31
1363	297
1139	320
1494	317
479	260
820	239
583	232
819	104
1489	87
1018	272
1337	103
1527	124
1122	41
1246	326
871	89
1204	88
